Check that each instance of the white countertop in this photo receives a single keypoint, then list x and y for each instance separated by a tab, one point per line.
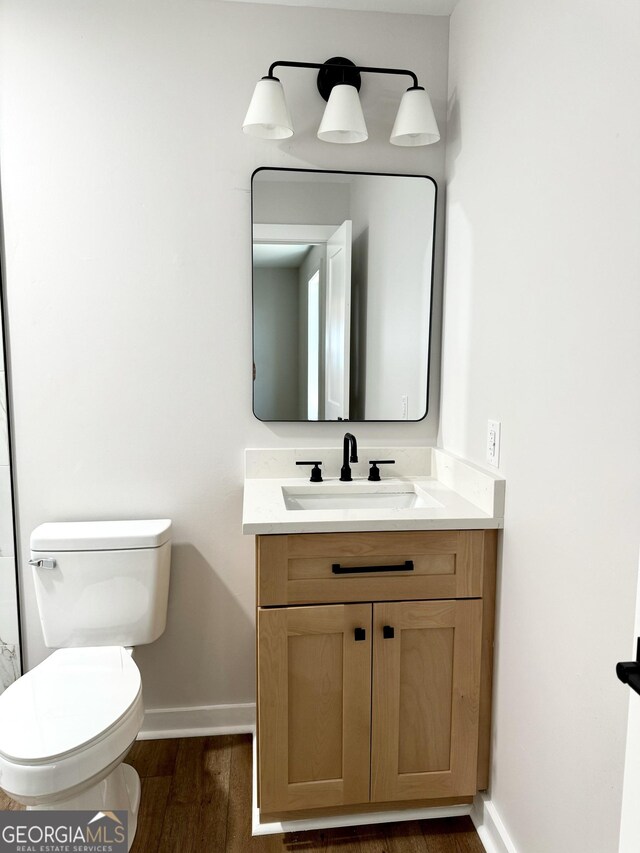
467	496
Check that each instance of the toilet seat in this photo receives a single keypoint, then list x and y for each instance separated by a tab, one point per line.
67	720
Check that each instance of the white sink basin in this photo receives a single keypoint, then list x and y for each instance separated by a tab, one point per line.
356	497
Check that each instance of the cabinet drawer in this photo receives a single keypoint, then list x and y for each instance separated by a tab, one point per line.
304	568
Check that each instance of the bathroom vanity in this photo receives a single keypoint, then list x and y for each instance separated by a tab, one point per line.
375	586
374	634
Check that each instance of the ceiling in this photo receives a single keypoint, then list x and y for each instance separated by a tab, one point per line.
407	7
269	255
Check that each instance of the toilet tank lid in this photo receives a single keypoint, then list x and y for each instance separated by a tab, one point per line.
101	535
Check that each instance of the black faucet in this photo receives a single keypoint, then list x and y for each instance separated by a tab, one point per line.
345	471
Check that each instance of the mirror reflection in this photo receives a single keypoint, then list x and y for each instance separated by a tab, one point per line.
342	282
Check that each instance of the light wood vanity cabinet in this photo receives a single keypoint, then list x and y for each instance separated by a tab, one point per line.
373	687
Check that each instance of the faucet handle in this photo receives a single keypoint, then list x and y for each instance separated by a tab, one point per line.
316	473
374	472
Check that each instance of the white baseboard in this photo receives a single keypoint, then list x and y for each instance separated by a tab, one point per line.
198	721
489	826
277	827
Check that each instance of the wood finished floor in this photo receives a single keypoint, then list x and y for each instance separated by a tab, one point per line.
196	798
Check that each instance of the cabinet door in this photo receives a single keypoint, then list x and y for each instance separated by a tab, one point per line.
314	721
426	684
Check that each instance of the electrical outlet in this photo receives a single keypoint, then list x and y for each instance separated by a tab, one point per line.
405	407
493	443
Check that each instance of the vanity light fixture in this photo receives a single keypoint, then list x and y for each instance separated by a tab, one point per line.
339	82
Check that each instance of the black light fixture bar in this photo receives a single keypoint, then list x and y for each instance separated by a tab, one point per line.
369	69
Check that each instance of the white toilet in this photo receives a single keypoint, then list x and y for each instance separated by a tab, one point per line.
66	726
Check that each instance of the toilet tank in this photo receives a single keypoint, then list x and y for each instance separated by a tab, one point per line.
102	583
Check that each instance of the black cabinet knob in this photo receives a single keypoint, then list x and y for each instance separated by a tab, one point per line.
387	632
359	634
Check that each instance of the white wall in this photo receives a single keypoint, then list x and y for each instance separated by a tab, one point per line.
276	339
396	287
541	333
125	181
296	202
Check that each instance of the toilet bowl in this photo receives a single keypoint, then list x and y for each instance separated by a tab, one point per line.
65	728
67	724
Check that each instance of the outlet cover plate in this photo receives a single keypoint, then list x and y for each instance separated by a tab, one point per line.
493	443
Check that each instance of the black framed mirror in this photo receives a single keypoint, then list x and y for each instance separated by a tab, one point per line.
342	290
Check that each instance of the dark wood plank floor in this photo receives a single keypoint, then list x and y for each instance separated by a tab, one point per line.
196	798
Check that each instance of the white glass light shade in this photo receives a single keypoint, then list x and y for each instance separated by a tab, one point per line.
268	115
343	120
415	123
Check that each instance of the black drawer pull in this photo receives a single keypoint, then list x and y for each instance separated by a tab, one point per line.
337	569
359	634
387	632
